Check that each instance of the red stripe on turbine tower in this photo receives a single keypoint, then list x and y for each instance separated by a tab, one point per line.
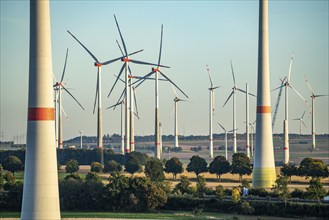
41	114
263	109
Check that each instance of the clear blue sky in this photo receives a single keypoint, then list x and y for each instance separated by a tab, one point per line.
196	33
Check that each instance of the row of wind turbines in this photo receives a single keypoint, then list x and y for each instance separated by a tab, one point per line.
285	83
127	98
128	103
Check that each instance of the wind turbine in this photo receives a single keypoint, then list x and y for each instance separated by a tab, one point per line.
125	66
301	121
225	138
156	71
252	138
234	89
121	103
99	65
287	85
313	96
176	100
59	86
211	113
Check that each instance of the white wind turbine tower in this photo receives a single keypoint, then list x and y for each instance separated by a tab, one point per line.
121	103
313	96
225	138
211	113
176	100
234	89
287	85
59	86
301	121
252	138
99	65
156	71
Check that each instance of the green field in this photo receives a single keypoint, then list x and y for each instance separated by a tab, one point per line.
157	215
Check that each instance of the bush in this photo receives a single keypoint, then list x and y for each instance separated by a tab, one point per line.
112	166
73	177
96	167
93	176
297	193
258	191
72	166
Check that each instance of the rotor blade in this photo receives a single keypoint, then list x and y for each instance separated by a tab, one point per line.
232	130
216	87
90	53
289	73
246	92
241	90
319	95
146	63
233	73
67	52
303	115
66	116
309	86
209	76
174	91
96	94
140	81
73	97
123	42
119	58
112	106
303	123
120	48
119	78
299	94
173	83
135	100
277	88
221	126
160	46
228	98
122	94
116	80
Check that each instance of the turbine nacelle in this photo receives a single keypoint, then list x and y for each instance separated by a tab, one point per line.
98	64
125	59
155	69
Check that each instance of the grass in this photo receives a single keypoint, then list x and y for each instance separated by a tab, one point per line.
155	215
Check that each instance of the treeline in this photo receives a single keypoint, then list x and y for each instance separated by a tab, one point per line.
143	194
116	138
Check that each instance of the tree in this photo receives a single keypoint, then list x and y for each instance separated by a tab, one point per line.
219	166
154	170
93	176
220	192
236	195
132	165
72	166
241	165
289	170
184	186
316	189
96	167
73	177
12	164
174	166
197	165
314	168
201	186
112	166
281	188
2	179
117	191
